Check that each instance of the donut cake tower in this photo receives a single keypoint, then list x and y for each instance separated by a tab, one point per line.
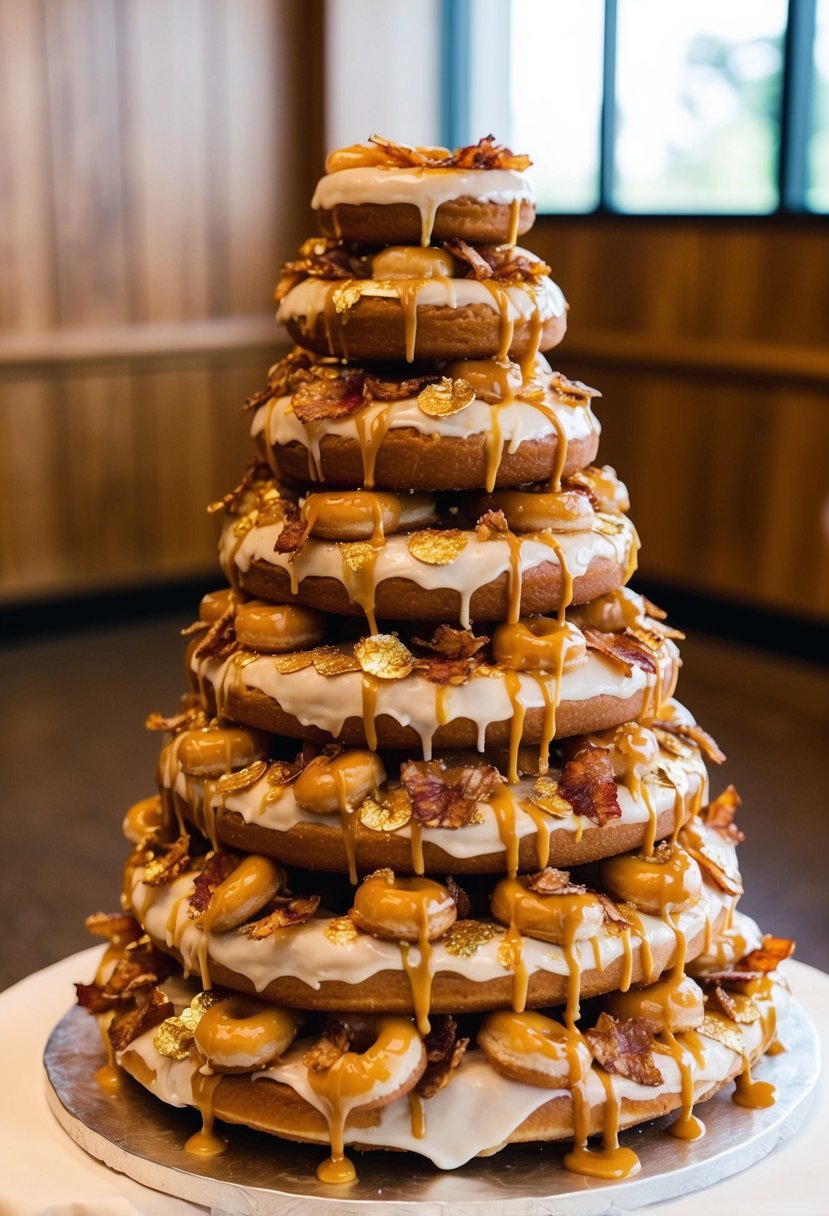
433	865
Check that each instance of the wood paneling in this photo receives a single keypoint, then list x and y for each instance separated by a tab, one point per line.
156	162
709	342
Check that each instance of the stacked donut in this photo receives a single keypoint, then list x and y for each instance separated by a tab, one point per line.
433	864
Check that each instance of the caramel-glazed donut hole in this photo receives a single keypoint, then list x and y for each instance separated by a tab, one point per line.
278	628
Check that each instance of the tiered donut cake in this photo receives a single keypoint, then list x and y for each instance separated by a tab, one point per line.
433	842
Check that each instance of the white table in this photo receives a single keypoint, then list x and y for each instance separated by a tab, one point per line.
44	1173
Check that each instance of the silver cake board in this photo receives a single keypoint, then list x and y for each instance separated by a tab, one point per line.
259	1175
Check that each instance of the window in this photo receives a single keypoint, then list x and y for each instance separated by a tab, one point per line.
649	106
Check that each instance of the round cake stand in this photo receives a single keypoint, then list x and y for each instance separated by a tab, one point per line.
260	1175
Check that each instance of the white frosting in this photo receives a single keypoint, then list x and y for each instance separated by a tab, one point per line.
275	809
518	422
545	297
327	701
479	1109
422	188
305	953
479	563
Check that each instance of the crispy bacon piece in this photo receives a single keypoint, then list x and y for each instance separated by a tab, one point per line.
739	1008
496	263
713	863
479	267
767	957
485	154
140	966
491	525
286	914
444	1052
294	531
452	643
319	394
623	649
550	881
447	797
377	388
438	670
625	1046
218	866
694	733
462	901
320	258
150	1009
720	813
330	1047
219	642
614	914
587	783
117	927
281	377
256	474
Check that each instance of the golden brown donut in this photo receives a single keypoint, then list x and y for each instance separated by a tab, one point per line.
473	220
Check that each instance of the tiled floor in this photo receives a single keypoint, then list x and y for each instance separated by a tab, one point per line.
74	755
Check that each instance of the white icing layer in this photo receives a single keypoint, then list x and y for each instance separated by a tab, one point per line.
422	188
479	1109
327	701
522	303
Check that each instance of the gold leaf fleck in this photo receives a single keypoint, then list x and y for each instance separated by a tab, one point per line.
341	931
173	1039
384	656
331	661
673	744
608	525
348	293
446	397
436	547
281	772
723	1030
743	1008
357	554
244	524
232	783
546	797
466	937
392	813
287	663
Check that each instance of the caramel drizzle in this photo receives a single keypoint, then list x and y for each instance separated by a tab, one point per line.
610	1161
560	457
417	1114
371	687
501	298
494	448
205	1143
372	428
420	974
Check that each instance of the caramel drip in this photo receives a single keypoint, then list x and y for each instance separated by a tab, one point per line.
597	954
693	1043
372	429
514	217
503	806
371	686
420	975
441	707
650	834
566	577
418	862
512	683
678	967
776	1048
627	974
407	293
349	822
331	320
542	833
514	952
205	1143
494	446
506	325
560	457
527	360
515	578
418	1115
649	971
687	1126
754	1094
109	1076
611	1161
572	1010
270	449
428	210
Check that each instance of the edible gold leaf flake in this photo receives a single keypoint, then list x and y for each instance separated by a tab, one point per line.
358	554
673	771
341	931
723	1030
330	661
287	663
244	524
510	954
446	397
173	1039
673	744
546	797
232	783
743	1008
392	813
384	656
198	1007
608	525
437	548
345	295
273	513
466	937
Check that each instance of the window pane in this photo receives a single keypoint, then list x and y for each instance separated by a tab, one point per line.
817	191
556	97
698	97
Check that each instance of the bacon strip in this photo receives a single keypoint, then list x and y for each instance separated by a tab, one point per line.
587	783
447	797
625	1046
623	649
694	733
444	1052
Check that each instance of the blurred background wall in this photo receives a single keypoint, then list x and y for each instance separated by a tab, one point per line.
156	164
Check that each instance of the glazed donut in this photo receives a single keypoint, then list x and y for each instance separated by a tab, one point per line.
676	1004
143	819
264	625
251	886
509	833
492	708
534	1049
559	918
669	879
240	1034
494	439
212	751
433	575
438	319
478	1108
403	909
351	515
369	199
327	963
